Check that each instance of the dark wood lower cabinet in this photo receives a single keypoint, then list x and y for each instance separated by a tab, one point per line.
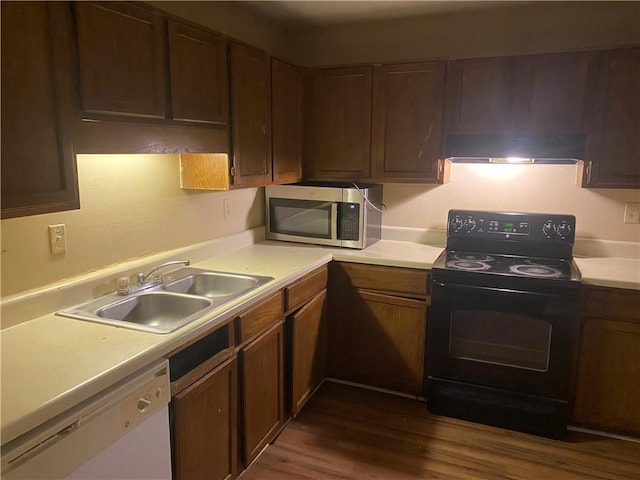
204	426
262	391
308	330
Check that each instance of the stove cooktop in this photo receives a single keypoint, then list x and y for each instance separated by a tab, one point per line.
508	265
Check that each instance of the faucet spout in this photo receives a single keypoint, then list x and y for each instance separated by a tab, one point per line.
142	279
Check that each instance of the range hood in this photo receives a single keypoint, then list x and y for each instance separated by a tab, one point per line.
547	149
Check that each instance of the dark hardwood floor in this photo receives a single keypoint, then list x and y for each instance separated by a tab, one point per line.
346	432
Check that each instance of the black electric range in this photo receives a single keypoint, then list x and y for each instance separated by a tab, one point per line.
504	320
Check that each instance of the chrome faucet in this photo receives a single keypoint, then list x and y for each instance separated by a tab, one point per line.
143	280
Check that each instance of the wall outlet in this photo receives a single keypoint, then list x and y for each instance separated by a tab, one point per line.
226	208
57	239
631	212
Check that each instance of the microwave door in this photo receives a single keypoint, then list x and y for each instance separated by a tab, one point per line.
309	221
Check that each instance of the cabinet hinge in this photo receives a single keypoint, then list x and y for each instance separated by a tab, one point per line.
588	172
232	172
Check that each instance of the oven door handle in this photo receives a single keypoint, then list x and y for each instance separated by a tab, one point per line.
492	289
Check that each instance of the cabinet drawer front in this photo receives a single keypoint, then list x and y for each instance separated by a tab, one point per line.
260	317
388	279
612	303
305	288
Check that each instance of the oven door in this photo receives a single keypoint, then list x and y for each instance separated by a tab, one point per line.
519	341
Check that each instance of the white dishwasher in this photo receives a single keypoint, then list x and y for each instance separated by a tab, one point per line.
120	433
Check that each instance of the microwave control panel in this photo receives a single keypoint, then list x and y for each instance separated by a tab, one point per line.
349	214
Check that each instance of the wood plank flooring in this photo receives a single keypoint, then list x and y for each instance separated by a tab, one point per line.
346	432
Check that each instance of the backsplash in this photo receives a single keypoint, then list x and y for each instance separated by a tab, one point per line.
526	188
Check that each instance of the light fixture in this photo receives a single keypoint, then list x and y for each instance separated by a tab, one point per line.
518	160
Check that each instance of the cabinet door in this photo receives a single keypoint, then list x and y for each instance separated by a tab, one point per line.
340	123
308	350
122	59
262	390
199	75
250	116
608	388
204	419
549	93
478	92
613	147
38	159
407	121
286	114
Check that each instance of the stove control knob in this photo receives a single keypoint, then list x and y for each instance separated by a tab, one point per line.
456	224
471	225
563	230
548	229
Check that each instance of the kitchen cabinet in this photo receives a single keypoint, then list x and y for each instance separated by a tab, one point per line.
339	123
406	138
204	426
377	328
199	75
532	94
287	94
250	116
613	143
306	337
261	338
38	107
204	407
608	380
122	59
477	95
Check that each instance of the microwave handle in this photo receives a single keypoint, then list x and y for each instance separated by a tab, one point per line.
334	221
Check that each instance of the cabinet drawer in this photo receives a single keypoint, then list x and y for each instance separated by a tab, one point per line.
305	289
256	319
388	279
612	303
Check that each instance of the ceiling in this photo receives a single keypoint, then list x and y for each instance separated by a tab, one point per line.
296	13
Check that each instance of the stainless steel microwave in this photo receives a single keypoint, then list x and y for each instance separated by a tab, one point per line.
339	215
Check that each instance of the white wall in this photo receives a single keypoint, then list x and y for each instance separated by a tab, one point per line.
131	206
520	188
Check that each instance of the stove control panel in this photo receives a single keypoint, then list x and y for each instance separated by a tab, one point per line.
521	227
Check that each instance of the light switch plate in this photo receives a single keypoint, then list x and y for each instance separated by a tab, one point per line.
58	239
632	212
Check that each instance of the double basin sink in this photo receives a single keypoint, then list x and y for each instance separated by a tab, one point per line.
181	298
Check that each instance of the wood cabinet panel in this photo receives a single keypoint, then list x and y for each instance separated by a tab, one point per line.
478	93
388	279
340	123
549	93
260	317
262	390
250	116
612	303
122	59
199	75
306	288
308	350
204	421
613	147
407	120
287	94
38	158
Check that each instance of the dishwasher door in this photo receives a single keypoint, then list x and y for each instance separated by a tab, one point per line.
120	433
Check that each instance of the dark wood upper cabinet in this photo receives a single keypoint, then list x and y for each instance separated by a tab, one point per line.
478	92
613	146
122	59
199	75
406	139
38	158
340	123
250	116
549	93
286	114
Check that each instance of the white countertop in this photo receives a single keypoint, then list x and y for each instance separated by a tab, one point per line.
51	363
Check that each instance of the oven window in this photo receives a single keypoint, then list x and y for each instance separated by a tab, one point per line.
505	339
306	218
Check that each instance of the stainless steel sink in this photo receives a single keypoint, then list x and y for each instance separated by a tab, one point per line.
213	284
184	296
